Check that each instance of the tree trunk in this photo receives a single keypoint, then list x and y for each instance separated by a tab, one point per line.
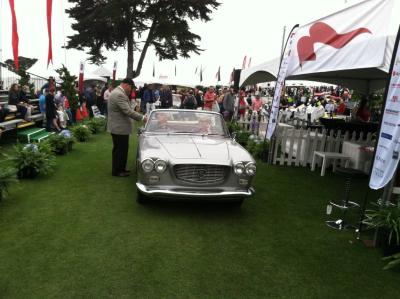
144	50
129	69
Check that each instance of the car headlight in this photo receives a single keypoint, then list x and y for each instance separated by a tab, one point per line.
251	169
239	168
148	165
160	166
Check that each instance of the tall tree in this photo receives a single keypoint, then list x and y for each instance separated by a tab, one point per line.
137	25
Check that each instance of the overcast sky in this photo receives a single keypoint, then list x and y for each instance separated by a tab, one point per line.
253	28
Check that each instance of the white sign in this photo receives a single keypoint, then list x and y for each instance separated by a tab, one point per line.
279	86
387	152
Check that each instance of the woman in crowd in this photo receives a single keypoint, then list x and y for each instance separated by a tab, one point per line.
209	98
257	102
363	113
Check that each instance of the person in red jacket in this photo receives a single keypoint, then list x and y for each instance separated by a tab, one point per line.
209	98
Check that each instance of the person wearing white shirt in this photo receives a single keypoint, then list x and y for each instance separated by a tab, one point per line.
106	96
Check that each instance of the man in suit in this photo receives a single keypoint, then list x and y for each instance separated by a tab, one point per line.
119	124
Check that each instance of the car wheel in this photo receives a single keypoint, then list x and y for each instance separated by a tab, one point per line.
141	198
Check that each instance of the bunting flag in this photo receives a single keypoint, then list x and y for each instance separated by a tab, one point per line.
154	70
15	39
218	74
386	158
201	73
244	62
195	72
49	12
248	66
80	82
114	73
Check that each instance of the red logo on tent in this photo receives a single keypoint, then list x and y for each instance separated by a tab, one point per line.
323	33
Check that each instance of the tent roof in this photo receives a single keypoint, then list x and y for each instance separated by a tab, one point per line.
263	72
102	72
364	80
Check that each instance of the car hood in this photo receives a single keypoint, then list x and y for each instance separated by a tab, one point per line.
178	148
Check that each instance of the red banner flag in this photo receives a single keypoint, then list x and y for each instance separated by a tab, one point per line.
244	62
49	11
80	82
114	72
15	39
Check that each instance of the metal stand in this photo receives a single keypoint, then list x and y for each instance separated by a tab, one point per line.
344	205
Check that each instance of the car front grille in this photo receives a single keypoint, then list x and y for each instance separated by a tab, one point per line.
200	174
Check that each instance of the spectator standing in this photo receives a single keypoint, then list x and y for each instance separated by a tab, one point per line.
166	97
42	104
257	102
119	124
229	104
209	99
51	112
190	101
106	98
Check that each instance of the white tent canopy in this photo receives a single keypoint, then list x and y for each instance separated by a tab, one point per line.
264	72
102	72
365	80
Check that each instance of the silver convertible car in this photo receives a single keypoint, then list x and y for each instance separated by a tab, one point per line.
189	154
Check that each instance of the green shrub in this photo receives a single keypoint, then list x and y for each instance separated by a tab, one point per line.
8	176
96	125
242	137
31	159
257	148
59	143
385	216
81	133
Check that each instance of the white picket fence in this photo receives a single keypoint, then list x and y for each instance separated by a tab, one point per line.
296	147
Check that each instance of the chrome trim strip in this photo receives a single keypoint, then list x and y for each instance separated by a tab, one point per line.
142	188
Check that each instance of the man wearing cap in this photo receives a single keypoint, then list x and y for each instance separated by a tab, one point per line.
119	124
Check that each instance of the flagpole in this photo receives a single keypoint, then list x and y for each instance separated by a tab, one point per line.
283	41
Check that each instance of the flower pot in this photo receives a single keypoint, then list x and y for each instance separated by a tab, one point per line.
27	173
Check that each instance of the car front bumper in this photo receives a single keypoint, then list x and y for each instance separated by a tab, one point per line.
191	193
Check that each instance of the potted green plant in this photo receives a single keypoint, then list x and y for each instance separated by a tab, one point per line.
8	176
96	124
59	143
385	218
81	133
31	159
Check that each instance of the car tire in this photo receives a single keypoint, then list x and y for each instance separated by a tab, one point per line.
141	198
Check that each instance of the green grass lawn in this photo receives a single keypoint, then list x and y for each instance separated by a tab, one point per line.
79	233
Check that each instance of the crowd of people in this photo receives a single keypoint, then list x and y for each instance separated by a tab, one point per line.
225	100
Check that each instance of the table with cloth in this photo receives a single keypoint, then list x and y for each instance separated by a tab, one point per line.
360	154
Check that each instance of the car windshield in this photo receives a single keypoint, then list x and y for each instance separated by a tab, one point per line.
194	122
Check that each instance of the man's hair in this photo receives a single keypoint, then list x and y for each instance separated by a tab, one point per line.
128	81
